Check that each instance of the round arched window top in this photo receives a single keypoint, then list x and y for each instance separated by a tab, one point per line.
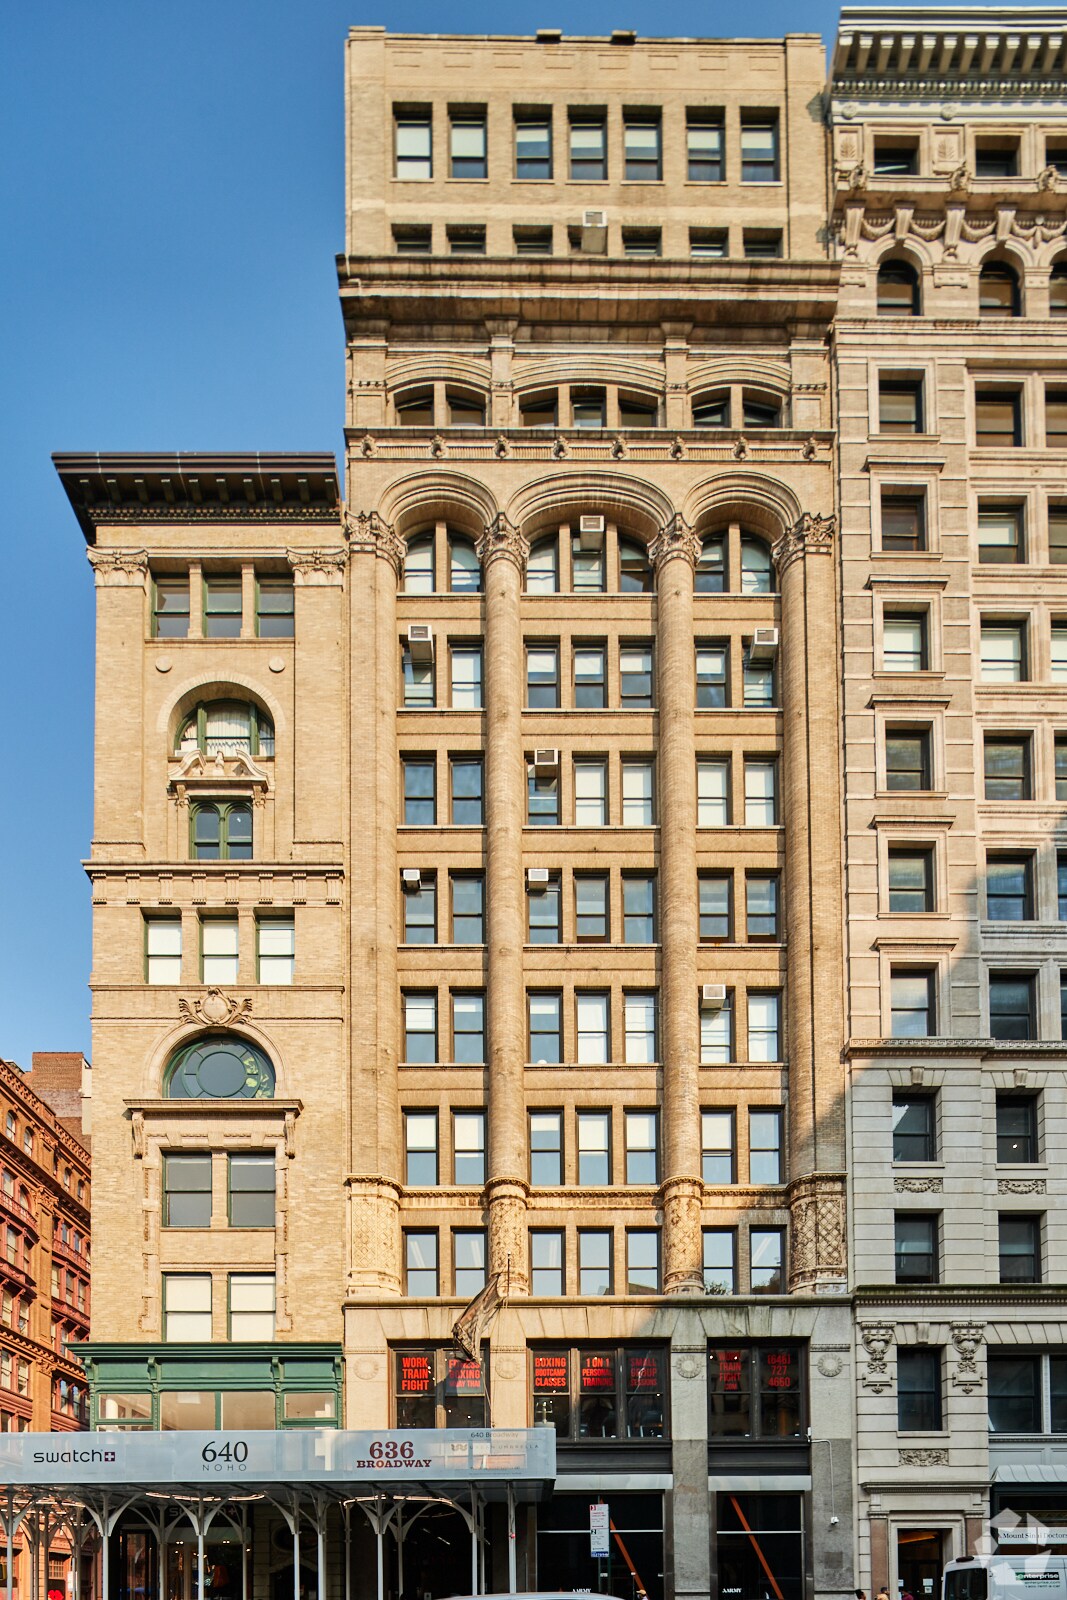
898	289
219	1068
998	290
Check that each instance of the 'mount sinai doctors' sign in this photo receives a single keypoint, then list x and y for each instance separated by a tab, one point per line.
320	1455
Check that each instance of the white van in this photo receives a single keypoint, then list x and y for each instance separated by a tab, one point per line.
1006	1577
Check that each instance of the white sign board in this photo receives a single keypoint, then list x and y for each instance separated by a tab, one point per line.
599	1530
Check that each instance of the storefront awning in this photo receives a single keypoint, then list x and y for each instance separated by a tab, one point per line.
1033	1472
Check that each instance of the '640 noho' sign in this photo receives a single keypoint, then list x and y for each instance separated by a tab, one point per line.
319	1455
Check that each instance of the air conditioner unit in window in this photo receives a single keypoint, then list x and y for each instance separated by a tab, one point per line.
594	232
764	646
712	996
591	532
411	878
537	878
420	641
546	763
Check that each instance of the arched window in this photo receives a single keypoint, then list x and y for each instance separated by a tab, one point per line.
228	726
419	576
998	290
414	408
711	567
221	1067
464	569
221	830
635	574
756	575
542	568
898	290
760	410
712	410
465	409
638	411
539	410
1057	289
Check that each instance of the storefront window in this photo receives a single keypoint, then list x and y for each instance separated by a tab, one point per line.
600	1392
563	1559
756	1392
759	1543
125	1410
437	1389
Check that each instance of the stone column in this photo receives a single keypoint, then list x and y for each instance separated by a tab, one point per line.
377	556
121	578
318	684
674	554
811	808
502	551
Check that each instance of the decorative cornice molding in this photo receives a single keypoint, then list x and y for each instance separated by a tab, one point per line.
215	1009
675	540
118	569
1022	1186
503	541
923	1458
319	568
811	534
918	1185
368	534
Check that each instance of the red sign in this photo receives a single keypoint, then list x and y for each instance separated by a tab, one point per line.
779	1369
597	1372
644	1373
550	1372
416	1374
463	1377
730	1368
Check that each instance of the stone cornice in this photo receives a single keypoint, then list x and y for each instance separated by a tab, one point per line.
985	1049
987	50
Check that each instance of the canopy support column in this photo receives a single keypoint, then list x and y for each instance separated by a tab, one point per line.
512	1551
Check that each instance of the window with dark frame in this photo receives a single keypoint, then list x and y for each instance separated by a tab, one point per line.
912	1010
898	289
1000	535
918	1390
642	146
715	907
1016	1128
1012	1005
911	879
903	522
915	1247
914	1126
998	418
1009	888
759	147
420	796
900	405
1019	1247
588	1393
546	1149
544	915
757	1391
468	907
638	908
467	144
434	1387
466	781
705	146
588	146
907	759
1007	767
533	145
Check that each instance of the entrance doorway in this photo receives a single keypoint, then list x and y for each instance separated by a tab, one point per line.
435	1559
920	1561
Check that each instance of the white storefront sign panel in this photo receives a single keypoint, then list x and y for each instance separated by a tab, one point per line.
599	1530
320	1455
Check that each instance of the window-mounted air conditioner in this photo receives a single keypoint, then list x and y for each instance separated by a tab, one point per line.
712	996
411	879
536	879
546	763
764	645
420	641
594	232
591	532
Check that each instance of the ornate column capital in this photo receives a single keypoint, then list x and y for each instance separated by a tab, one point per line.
118	569
317	567
811	534
502	539
368	534
675	538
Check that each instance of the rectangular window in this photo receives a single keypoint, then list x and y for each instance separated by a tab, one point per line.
642	147
761	793
420	792
589	147
718	1147
222	606
713	793
757	1392
759	147
757	682
590	794
420	1149
420	1263
904	642
542	677
1009	895
998	418
418	682
767	1265
468	1261
186	1307
1016	1128
275	949
594	1149
187	1190
705	147
1061	887
591	908
642	1261
914	1127
1014	1392
1003	647
533	146
218	950
715	901
761	244
907	759
915	1247
466	678
711	676
547	1260
639	1015
763	1032
918	1390
899	159
1007	768
637	809
468	908
468	1146
420	1028
546	1149
764	1147
545	1019
709	243
595	1276
414	159
1011	1005
468	1028
1000	536
592	1019
720	1260
420	911
1056	418
590	691
635	677
911	880
543	912
642	1147
466	773
532	241
911	1003
761	907
413	240
903	522
996	160
1060	758
716	1033
638	909
251	1182
275	608
467	146
900	405
170	608
163	949
542	800
1019	1248
643	242
1058	653
1057	535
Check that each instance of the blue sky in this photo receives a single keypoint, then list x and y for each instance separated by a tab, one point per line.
171	201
